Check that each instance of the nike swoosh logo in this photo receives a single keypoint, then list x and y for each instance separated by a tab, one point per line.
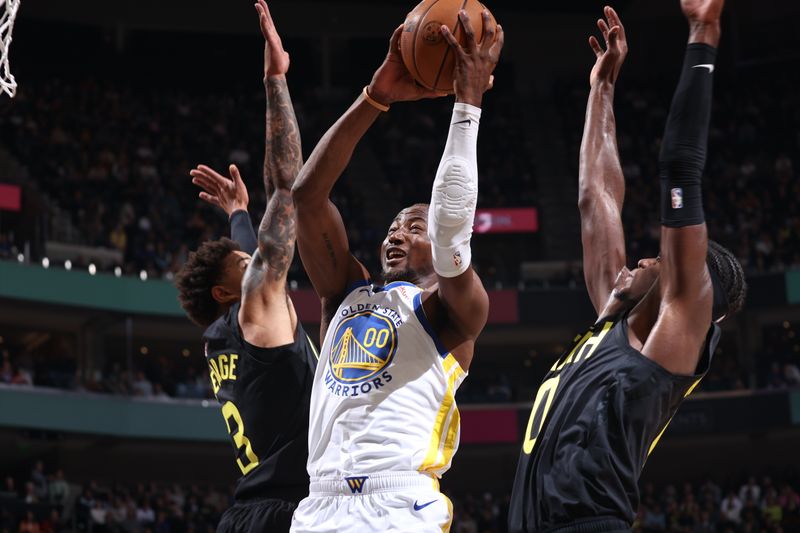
423	506
468	122
709	66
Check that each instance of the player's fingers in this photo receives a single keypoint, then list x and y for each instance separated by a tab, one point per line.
394	40
261	20
451	40
613	18
595	44
208	186
613	34
208	171
214	200
488	30
466	25
499	41
601	24
491	81
235	176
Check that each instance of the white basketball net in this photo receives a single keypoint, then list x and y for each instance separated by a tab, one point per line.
8	13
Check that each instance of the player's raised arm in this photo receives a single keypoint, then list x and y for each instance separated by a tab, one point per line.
686	287
601	183
264	299
323	242
455	189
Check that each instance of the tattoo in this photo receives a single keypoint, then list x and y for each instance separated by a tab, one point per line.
329	247
284	157
282	163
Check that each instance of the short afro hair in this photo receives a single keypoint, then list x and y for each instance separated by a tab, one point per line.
727	269
198	275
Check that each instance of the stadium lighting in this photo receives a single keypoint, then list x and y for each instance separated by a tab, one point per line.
68	264
20	258
185	352
117	271
144	350
92	269
143	275
45	262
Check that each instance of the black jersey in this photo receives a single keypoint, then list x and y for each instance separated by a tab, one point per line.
598	414
265	395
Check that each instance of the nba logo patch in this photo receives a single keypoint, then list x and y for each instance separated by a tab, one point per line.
457	258
356	483
677	198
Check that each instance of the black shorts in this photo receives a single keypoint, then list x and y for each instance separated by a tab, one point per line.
258	516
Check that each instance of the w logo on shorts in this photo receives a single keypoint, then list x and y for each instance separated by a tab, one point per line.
356	483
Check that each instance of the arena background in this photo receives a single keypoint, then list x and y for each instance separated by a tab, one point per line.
103	379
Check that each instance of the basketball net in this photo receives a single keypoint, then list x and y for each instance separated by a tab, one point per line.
8	13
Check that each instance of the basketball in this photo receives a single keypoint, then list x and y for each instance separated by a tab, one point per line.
425	52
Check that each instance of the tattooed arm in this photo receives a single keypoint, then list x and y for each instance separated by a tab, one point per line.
267	316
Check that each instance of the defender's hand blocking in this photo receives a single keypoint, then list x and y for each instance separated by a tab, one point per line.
475	61
392	81
276	59
609	61
230	195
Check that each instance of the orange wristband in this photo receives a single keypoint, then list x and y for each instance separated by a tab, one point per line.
374	103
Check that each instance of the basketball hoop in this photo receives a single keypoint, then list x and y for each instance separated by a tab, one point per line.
8	13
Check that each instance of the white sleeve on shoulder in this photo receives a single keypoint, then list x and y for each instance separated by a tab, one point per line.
455	195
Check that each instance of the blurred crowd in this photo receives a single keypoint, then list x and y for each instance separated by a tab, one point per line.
48	503
504	379
117	159
45	501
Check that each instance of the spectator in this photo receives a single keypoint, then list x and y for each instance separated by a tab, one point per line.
731	509
29	524
9	489
59	488
141	386
145	515
750	491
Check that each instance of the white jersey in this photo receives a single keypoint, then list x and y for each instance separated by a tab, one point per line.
384	390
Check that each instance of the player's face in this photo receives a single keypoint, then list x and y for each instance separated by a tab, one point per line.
406	250
632	285
232	274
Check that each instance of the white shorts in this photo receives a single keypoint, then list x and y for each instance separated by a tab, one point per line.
396	501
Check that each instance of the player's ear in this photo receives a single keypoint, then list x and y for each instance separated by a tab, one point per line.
222	295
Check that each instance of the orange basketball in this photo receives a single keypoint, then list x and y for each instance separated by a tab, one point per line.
426	54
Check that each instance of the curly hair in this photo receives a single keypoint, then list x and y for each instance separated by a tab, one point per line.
730	273
198	275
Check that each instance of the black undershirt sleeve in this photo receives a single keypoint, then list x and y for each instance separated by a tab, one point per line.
242	231
683	150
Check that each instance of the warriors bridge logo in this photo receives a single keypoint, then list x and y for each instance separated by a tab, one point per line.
363	346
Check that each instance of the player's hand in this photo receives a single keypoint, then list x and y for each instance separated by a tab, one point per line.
392	82
609	61
475	61
276	59
228	194
702	11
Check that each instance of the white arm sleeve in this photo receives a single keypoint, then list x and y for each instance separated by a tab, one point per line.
455	194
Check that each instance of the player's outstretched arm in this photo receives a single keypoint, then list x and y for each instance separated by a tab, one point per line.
601	182
455	189
322	237
685	284
231	196
266	315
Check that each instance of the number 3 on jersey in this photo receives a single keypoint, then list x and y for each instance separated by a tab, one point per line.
541	405
229	411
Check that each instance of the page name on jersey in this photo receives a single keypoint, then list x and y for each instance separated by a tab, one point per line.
220	368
